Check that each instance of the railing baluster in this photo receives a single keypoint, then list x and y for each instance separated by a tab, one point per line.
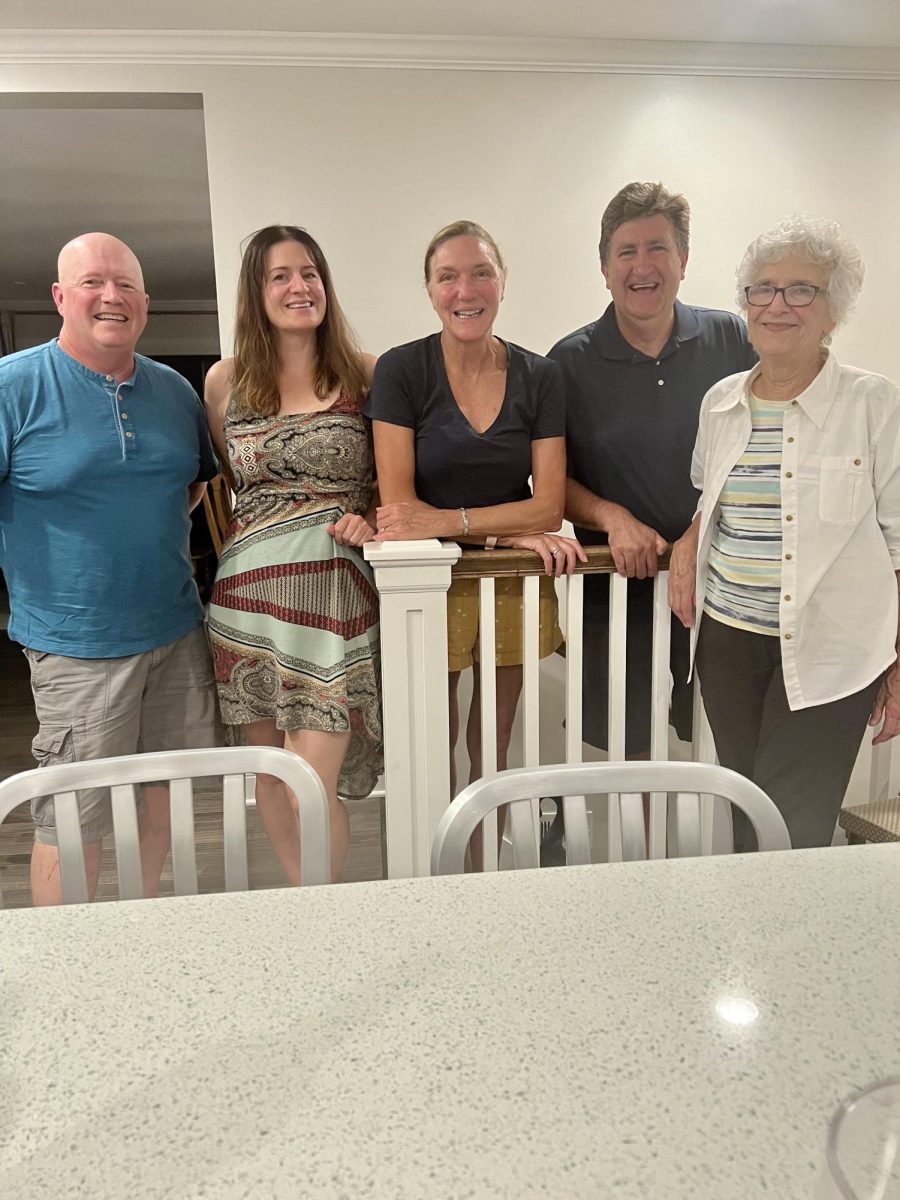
714	811
660	695
618	627
525	830
880	771
575	822
487	652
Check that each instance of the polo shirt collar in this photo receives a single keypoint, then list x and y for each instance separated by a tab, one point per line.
611	344
816	400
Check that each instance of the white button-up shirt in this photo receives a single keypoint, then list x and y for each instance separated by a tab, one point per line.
840	523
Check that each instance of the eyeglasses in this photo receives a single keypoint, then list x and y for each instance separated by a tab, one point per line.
796	295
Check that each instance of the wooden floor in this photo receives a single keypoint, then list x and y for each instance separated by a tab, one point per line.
17	728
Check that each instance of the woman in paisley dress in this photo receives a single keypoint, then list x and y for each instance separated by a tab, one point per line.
293	620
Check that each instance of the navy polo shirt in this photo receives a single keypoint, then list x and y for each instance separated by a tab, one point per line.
631	420
94	523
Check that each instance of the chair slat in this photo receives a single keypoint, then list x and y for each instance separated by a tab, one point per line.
578	834
523	834
71	849
184	855
234	811
687	817
487	653
127	841
634	845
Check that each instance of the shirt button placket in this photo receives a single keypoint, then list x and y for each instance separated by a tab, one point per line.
123	419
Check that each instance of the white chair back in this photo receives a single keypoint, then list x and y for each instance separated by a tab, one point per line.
178	768
519	788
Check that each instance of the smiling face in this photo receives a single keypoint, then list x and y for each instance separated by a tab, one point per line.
791	335
101	299
643	270
465	286
293	291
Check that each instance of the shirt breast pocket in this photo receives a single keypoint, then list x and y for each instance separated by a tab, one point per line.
845	488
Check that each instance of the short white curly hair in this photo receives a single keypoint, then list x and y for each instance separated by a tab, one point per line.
823	243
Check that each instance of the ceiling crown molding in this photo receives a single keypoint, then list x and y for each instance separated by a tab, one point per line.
585	56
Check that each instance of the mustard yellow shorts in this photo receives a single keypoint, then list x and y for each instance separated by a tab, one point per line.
462	622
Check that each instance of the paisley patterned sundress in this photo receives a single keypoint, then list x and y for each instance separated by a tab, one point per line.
293	619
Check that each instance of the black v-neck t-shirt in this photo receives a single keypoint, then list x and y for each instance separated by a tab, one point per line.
455	465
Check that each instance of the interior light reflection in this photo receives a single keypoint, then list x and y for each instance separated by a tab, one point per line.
736	1010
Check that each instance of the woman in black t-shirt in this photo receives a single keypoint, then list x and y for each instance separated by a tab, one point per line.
462	419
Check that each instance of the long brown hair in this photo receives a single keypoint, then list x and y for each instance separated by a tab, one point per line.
256	361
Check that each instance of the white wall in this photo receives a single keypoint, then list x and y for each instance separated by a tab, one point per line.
374	160
391	155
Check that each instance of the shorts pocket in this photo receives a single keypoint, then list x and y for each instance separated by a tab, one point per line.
844	485
35	659
200	657
53	744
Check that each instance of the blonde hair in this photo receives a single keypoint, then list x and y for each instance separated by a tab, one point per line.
462	229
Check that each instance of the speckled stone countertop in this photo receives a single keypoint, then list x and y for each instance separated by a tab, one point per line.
547	1033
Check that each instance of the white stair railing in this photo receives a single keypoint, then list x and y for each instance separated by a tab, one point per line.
412	579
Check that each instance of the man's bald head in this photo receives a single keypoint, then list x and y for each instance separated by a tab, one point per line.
101	299
89	245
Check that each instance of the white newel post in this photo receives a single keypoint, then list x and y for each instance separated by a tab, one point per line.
412	579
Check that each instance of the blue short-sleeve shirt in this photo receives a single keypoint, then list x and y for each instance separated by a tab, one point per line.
94	522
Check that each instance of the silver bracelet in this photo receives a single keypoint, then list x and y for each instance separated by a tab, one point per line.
465	519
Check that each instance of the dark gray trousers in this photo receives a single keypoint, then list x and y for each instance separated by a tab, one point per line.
802	759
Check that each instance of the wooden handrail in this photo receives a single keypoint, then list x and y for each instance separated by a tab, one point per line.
503	564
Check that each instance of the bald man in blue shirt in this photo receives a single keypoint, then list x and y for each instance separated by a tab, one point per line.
102	455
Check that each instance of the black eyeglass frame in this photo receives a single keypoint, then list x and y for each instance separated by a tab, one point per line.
784	291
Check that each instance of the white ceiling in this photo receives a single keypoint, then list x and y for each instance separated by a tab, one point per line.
802	22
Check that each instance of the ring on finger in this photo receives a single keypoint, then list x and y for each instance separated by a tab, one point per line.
555	551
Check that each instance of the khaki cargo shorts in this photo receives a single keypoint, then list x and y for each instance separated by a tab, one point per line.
163	699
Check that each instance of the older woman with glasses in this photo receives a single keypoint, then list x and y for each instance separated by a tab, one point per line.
789	572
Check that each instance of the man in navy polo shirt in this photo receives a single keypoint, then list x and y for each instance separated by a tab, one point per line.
102	455
634	382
